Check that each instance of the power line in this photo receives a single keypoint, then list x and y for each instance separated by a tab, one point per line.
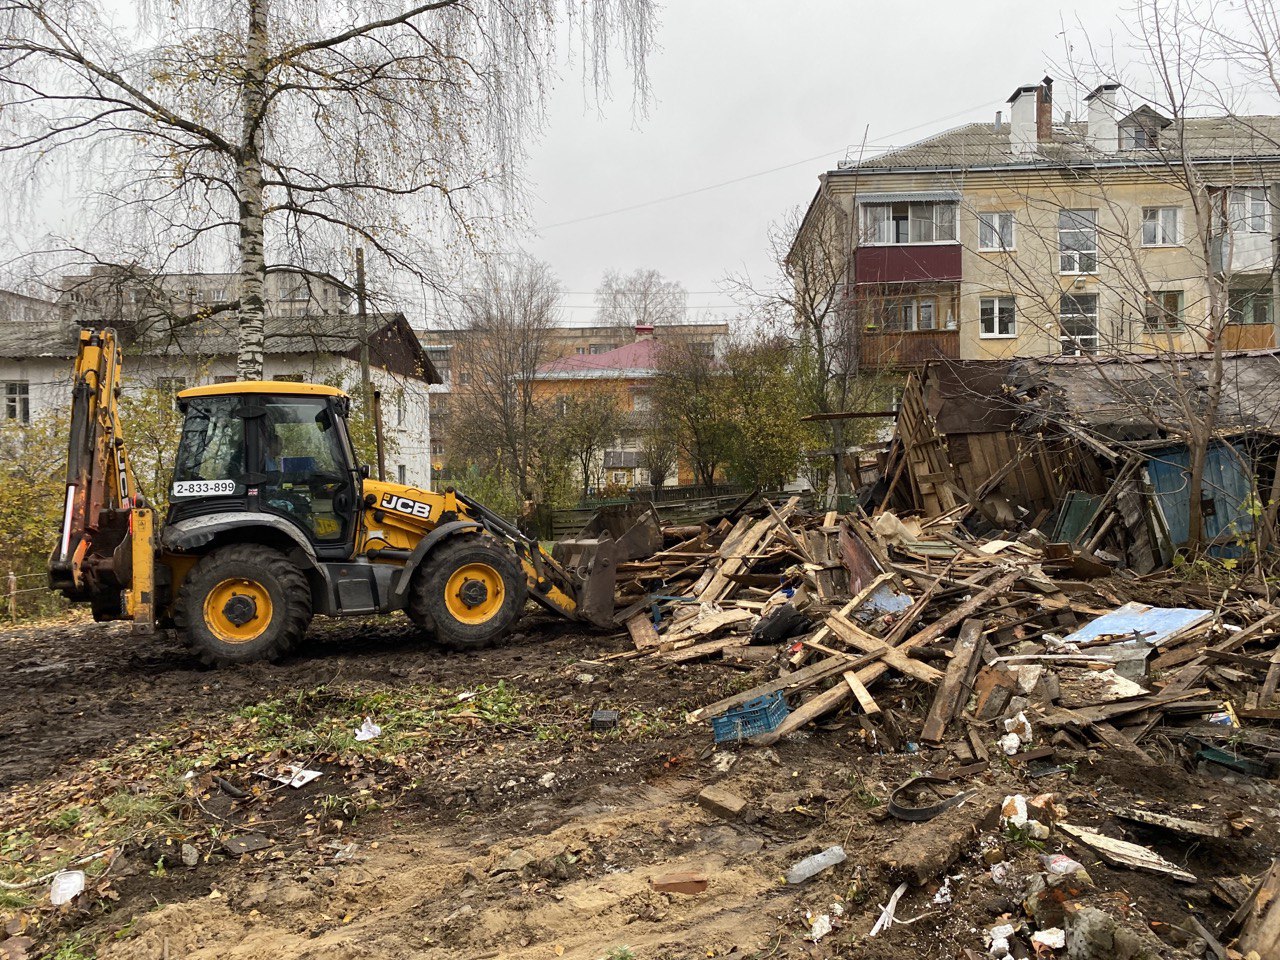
752	176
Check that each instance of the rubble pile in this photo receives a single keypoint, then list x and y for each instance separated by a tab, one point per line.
1001	666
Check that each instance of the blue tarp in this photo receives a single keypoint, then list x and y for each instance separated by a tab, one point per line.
1228	482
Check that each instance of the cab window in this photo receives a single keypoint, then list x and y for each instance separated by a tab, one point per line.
212	443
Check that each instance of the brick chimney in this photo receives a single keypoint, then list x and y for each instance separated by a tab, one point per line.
1044	110
644	331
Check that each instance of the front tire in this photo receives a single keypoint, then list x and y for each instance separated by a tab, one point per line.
243	603
468	594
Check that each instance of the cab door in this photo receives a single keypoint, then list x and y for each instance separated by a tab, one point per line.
305	469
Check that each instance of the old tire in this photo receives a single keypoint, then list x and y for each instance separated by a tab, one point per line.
468	594
243	603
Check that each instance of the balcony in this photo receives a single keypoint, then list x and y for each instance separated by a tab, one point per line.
1248	336
1249	252
907	263
899	350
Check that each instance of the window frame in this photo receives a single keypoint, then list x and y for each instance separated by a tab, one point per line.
17	400
997	302
1157	318
1064	338
1013	235
1245	300
1257	206
1063	252
882	231
1158	223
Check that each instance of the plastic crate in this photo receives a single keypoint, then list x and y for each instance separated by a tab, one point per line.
761	715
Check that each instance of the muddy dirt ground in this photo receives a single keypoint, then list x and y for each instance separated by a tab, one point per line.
488	820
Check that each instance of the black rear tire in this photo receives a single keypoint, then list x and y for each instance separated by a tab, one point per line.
443	611
249	582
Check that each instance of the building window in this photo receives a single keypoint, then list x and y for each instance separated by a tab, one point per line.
1136	137
897	223
619	477
995	231
1159	226
1078	324
1249	306
225	378
1247	209
910	314
170	384
598	348
17	401
402	475
997	316
640	403
288	377
1078	241
1163	311
580	351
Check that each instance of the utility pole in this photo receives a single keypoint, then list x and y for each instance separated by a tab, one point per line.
366	393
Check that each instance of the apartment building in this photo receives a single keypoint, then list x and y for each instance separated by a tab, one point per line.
441	344
1123	231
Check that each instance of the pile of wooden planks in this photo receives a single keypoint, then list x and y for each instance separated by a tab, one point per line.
979	623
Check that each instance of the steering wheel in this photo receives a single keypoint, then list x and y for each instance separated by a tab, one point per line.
327	484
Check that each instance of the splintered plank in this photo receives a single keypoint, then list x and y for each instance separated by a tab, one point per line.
707	626
860	693
642	631
957	683
699	650
1122	853
894	657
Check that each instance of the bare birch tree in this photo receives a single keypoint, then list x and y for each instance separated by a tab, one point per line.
283	133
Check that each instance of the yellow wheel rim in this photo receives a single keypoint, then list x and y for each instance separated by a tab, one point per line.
474	593
238	610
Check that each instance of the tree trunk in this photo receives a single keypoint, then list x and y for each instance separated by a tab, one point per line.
249	188
843	486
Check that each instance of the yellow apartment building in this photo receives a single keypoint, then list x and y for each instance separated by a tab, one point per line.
1122	232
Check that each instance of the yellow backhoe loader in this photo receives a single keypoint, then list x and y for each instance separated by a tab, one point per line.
272	520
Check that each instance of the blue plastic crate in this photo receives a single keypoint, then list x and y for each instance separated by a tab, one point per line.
761	715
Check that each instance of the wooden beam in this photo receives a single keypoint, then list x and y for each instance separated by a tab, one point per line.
957	684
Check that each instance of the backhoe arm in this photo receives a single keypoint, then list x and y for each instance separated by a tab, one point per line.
105	543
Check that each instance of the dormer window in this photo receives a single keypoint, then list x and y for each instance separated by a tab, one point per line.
1135	137
1140	130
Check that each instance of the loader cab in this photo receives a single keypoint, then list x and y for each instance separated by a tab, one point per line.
272	447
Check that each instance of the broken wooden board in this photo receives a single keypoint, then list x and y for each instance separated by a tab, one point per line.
643	634
699	650
1173	824
1122	853
956	684
860	693
706	626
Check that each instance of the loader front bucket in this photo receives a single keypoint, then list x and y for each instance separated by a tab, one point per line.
636	529
593	564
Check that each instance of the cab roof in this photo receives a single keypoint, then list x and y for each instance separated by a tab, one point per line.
239	387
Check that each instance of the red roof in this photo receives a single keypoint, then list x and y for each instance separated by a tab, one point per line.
637	359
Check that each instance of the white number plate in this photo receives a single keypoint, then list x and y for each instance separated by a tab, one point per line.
204	488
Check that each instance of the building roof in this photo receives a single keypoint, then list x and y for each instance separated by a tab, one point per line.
393	346
1131	397
982	146
631	360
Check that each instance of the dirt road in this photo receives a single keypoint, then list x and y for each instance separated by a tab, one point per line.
487	819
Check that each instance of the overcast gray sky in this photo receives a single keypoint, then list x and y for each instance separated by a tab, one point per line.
744	86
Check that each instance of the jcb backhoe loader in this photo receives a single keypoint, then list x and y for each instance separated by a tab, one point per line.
272	519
